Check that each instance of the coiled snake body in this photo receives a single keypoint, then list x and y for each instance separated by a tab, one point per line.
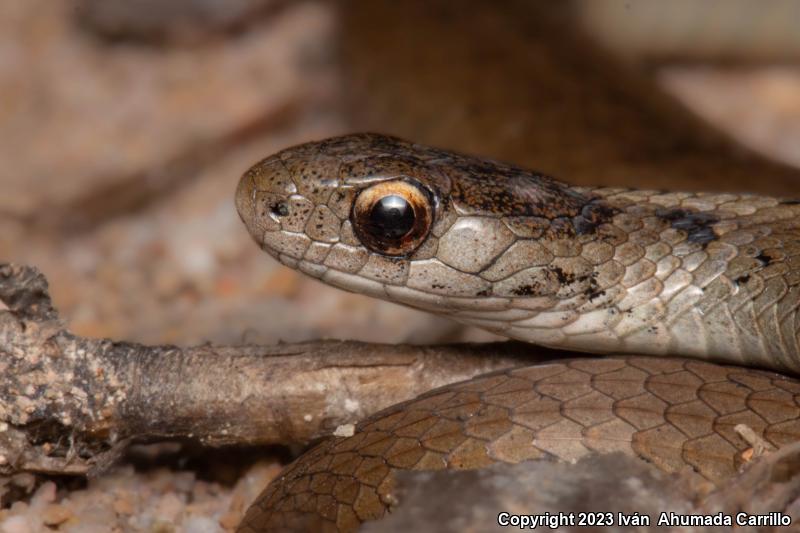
710	276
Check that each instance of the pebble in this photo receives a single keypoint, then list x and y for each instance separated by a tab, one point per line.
169	508
123	504
201	524
16	524
55	514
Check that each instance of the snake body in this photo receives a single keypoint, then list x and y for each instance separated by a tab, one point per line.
711	276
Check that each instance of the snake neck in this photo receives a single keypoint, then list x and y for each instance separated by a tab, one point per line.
715	276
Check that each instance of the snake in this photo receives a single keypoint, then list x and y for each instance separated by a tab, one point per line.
708	282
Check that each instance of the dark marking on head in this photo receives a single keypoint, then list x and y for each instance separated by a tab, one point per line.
742	279
698	226
472	185
492	188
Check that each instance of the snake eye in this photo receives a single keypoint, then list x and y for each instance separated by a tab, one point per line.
393	217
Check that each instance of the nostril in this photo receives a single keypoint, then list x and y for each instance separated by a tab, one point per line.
280	209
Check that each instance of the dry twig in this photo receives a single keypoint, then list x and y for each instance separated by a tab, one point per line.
70	404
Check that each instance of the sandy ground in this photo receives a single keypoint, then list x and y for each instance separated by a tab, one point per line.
86	123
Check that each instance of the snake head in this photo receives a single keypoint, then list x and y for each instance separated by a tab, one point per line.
355	211
417	225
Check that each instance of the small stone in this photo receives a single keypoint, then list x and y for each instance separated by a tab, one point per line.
19	508
247	488
55	514
24	481
170	508
200	491
201	524
123	504
230	520
161	526
183	481
46	493
345	430
16	524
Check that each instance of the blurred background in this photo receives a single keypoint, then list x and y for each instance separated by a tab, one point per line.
125	125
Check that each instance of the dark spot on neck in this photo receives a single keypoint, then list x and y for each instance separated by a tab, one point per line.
524	290
563	277
764	259
560	228
592	215
698	226
593	291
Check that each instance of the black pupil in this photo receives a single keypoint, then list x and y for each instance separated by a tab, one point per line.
391	217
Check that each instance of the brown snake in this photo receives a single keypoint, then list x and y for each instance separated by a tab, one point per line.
712	276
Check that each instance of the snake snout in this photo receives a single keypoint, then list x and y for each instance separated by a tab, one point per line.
262	197
293	207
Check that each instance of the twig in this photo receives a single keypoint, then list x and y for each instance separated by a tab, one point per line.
70	404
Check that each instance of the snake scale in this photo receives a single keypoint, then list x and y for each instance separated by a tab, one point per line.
604	270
